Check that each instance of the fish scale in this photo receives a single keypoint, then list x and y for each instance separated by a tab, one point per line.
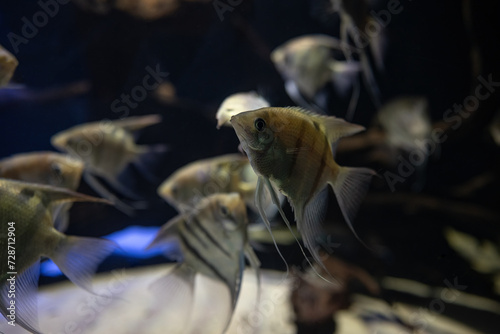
302	176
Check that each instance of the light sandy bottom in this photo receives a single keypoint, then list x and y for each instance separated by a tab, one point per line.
132	307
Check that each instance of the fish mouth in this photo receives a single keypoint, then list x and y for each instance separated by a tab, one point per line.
221	121
277	56
58	141
165	192
242	134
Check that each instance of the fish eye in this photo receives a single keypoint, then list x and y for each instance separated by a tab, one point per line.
224	210
56	169
287	59
260	124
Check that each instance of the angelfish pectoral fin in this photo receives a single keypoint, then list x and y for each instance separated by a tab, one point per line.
350	187
258	202
310	218
275	198
25	304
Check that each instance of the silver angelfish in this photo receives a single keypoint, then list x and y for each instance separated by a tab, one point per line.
213	242
107	148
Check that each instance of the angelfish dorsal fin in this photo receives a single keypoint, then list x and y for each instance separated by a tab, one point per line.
137	122
333	127
51	195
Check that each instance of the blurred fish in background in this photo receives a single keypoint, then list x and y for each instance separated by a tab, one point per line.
495	128
236	103
142	9
307	64
50	168
356	24
8	64
407	128
107	148
198	179
28	234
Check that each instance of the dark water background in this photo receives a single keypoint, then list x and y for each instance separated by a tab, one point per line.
429	53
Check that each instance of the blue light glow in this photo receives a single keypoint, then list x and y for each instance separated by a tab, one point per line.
132	242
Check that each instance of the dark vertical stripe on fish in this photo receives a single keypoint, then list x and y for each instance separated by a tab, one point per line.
322	165
196	254
210	236
193	233
297	145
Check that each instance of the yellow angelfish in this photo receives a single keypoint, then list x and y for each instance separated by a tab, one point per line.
27	234
50	168
291	149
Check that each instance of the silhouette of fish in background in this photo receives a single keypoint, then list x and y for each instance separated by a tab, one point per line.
236	103
307	64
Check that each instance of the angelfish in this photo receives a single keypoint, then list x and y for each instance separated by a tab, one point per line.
221	174
27	234
213	242
50	168
307	64
291	149
107	148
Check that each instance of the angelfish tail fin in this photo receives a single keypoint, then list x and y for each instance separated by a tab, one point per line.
350	188
24	297
78	258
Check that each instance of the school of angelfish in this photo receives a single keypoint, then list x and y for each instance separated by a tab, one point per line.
284	152
289	153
